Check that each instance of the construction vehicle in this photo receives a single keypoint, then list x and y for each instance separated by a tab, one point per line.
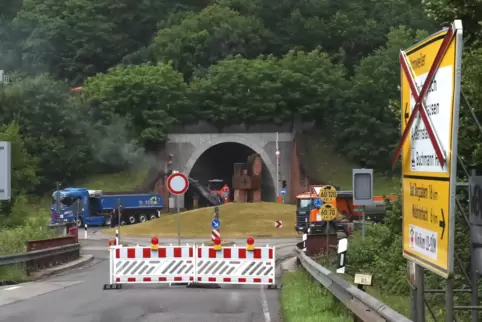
218	187
95	208
347	212
212	197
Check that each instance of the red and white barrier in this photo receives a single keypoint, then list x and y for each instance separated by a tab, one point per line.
166	264
235	265
192	264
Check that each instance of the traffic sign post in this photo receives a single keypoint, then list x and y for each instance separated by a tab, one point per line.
328	212
362	191
177	184
283	192
317	202
278	224
215	224
430	91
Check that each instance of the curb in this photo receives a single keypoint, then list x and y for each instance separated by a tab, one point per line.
62	268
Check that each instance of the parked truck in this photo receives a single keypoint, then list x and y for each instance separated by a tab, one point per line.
345	208
95	208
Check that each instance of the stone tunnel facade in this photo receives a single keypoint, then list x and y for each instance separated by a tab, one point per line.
187	148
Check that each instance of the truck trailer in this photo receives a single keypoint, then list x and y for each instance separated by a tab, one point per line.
95	208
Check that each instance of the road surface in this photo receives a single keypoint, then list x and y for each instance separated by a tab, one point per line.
78	296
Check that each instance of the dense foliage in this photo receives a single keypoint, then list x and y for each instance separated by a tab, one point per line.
148	65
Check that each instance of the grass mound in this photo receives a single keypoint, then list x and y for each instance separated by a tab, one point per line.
237	221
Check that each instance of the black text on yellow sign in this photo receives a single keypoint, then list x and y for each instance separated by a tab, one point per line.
328	212
426	223
328	194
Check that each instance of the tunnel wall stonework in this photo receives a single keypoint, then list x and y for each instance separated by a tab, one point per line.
186	149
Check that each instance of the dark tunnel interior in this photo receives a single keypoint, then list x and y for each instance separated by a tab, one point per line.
218	162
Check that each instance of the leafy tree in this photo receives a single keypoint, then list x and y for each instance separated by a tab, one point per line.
318	90
346	29
267	90
24	178
470	135
469	11
151	98
78	38
24	165
9	8
369	128
201	39
49	125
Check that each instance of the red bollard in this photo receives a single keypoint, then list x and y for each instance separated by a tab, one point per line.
74	233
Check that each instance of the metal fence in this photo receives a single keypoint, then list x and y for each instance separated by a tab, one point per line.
44	253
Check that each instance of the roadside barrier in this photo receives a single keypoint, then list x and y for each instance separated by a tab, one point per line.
191	264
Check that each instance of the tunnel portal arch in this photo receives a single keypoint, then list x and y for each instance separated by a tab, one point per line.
239	139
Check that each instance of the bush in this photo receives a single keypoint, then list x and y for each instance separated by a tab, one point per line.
28	226
381	252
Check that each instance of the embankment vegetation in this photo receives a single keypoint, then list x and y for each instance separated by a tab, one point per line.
146	66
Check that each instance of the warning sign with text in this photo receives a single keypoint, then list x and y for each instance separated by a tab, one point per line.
425	222
430	91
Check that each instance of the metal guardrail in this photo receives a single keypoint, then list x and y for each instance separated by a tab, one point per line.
363	305
38	254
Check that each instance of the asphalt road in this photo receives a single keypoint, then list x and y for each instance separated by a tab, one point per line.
78	296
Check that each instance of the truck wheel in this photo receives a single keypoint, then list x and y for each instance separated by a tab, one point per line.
80	222
152	216
132	219
107	221
142	218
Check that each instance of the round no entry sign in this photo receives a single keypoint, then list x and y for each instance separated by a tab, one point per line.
177	183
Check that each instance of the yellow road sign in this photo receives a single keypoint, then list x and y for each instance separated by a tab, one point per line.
428	205
328	212
426	223
418	154
328	194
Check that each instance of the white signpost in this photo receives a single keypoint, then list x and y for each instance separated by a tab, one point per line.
178	183
5	171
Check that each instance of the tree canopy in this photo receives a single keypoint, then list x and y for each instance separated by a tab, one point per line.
146	66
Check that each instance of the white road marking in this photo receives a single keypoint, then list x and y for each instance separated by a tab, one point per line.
11	288
264	305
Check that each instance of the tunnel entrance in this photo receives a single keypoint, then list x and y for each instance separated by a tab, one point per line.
217	162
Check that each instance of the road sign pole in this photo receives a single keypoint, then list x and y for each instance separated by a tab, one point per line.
178	184
327	237
363	222
449	300
420	303
473	201
119	220
178	222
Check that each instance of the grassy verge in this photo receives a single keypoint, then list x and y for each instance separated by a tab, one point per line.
399	303
304	300
336	170
237	221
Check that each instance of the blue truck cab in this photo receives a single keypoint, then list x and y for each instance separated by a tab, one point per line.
95	208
